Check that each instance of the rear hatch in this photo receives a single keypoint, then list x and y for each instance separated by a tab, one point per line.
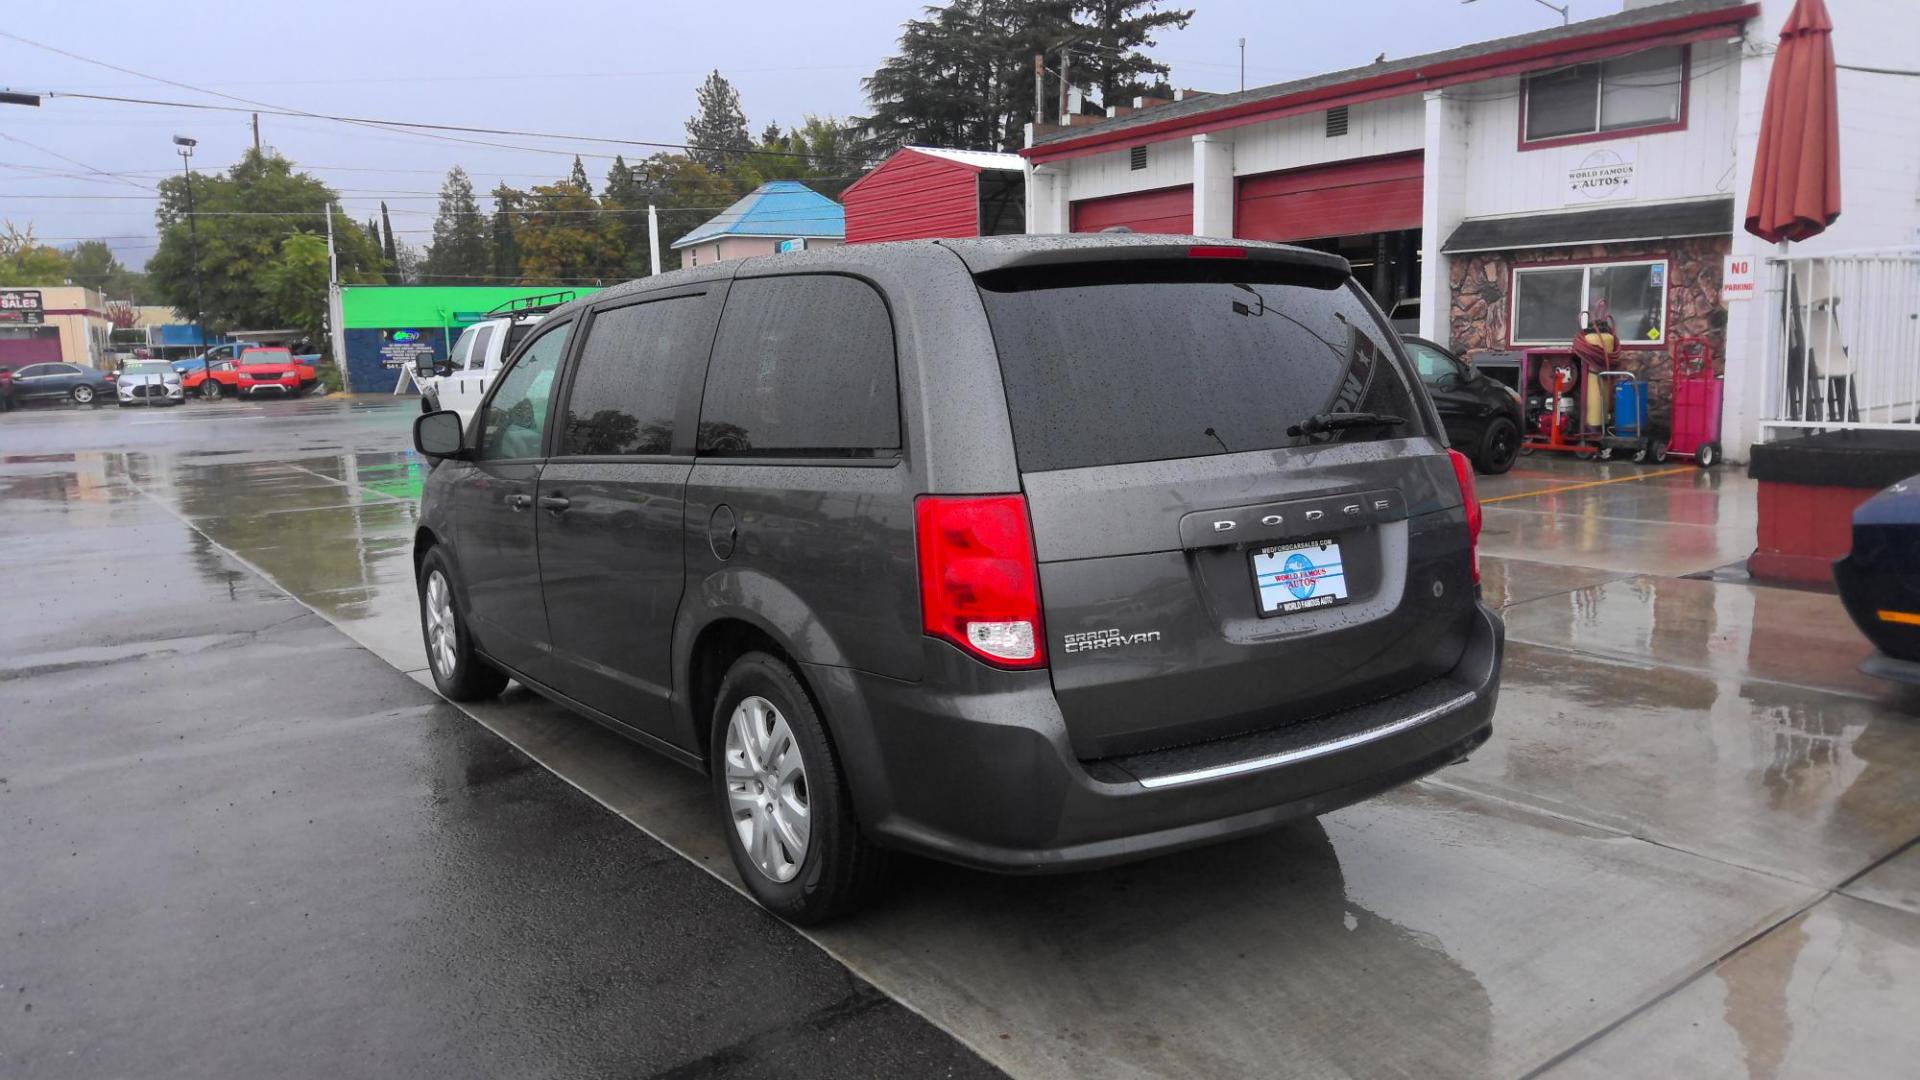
1204	572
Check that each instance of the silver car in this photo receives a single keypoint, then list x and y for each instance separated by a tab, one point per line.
149	382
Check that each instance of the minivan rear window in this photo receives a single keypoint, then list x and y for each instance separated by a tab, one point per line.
1133	362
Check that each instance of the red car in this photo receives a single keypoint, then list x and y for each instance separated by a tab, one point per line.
258	370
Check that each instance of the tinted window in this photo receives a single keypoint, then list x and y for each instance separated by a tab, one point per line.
1146	362
803	365
629	376
1432	363
32	370
477	353
516	414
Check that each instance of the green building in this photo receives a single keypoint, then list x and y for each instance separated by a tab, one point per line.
386	327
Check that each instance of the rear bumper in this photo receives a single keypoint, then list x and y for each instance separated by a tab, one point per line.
974	766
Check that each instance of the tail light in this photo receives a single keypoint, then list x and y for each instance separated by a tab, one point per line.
1463	472
979	581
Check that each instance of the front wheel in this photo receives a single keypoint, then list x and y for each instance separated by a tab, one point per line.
210	390
84	395
459	672
1499	447
1707	456
783	799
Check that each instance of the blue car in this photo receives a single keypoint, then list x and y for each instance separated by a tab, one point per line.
1879	580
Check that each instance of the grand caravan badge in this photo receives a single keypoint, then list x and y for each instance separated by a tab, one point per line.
1110	638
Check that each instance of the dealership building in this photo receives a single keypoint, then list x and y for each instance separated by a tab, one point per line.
1496	191
386	328
51	324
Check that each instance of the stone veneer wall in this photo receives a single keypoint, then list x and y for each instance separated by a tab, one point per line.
1482	287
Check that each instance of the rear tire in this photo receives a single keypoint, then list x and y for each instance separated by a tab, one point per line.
84	395
1499	447
837	868
1707	456
459	673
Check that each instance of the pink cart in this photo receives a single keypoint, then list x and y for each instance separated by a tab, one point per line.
1697	389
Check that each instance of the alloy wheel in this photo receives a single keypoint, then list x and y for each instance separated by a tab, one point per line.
767	789
83	394
443	635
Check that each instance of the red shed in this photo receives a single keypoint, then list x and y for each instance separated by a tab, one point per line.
925	193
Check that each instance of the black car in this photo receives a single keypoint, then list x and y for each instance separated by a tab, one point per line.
1483	416
53	381
1024	553
1879	580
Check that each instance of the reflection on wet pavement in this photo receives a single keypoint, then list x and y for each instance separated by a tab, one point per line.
1678	766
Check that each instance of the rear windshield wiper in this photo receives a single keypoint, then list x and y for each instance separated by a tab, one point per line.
1334	421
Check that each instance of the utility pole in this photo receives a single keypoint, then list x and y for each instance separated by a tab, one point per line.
1066	67
1039	88
256	130
653	238
186	146
336	314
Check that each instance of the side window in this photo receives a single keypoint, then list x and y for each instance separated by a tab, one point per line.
477	355
1432	364
627	382
457	359
516	415
31	371
802	365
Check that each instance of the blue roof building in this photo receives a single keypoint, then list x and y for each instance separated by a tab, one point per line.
777	215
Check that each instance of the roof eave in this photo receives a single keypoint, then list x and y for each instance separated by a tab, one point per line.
1363	88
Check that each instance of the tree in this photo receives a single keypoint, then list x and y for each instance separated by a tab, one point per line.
505	237
24	260
963	75
578	177
717	131
459	251
1118	29
560	242
245	217
388	247
294	284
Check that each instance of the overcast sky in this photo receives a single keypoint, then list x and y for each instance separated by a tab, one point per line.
622	70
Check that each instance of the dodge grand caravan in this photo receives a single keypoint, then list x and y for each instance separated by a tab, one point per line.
1023	553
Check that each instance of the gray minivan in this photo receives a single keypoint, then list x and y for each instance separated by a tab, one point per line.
1026	553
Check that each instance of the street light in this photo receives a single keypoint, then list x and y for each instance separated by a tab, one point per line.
186	146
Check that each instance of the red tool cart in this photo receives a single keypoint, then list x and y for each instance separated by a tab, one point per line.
1697	390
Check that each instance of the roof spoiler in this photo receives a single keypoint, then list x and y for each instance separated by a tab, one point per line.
531	305
1116	248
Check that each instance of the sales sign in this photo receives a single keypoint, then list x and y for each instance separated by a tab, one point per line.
21	307
1736	278
1601	174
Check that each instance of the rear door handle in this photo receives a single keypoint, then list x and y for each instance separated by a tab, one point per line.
555	503
519	502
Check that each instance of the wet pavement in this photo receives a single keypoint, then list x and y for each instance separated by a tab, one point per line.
1688	849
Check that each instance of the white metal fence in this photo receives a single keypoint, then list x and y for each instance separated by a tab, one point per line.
1844	347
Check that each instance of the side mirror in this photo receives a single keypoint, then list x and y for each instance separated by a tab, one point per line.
440	435
425	364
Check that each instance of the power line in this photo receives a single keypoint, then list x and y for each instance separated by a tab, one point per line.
71	161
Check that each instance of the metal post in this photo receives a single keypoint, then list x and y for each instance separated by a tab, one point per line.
1066	66
1243	63
256	133
653	237
186	146
336	313
1039	88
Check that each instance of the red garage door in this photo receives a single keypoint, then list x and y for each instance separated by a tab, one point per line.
1168	210
1374	195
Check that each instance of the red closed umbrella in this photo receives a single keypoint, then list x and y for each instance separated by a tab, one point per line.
1796	173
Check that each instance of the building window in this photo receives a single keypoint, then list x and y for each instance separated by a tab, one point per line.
1549	302
1628	93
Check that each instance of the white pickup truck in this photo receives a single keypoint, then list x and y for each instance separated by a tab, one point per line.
459	382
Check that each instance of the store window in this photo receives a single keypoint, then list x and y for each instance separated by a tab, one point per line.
1643	90
1549	302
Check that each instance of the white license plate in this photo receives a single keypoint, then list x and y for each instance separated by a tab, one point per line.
1298	577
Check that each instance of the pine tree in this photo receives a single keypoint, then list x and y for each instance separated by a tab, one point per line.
717	131
505	234
1120	28
578	177
387	247
458	253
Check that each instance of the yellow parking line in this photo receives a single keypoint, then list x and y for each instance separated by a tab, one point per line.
1590	484
1907	617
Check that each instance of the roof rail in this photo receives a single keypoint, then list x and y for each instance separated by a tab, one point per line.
531	305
